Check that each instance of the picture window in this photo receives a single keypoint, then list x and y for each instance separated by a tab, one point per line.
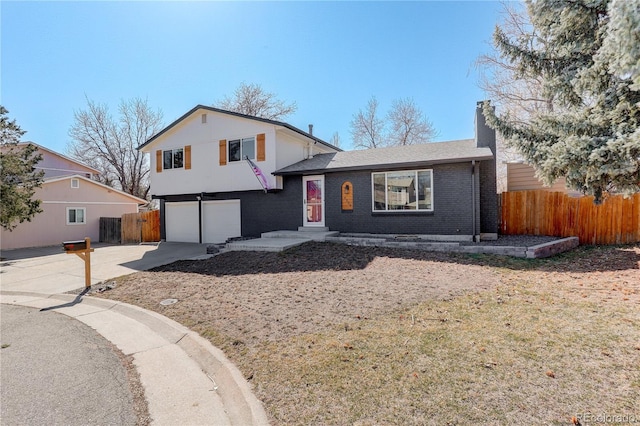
407	190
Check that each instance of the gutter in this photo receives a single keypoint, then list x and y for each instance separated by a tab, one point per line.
473	199
376	167
199	197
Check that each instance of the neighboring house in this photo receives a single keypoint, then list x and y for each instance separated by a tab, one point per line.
72	205
522	177
209	193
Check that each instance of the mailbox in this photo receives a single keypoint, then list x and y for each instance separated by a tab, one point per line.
74	245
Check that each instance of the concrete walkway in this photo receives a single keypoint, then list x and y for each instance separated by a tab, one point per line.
187	381
49	270
277	241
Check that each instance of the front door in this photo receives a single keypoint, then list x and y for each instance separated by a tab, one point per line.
313	201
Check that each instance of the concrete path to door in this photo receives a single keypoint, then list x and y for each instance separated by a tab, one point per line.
48	270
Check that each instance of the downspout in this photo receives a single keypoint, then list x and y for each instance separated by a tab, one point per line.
199	197
473	199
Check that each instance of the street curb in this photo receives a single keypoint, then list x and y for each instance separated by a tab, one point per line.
241	405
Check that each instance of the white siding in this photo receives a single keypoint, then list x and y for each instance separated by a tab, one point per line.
206	173
283	147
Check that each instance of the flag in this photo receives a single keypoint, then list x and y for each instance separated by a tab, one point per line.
259	175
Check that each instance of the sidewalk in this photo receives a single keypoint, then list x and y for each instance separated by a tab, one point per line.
187	381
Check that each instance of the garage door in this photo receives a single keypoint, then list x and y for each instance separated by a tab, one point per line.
181	222
220	220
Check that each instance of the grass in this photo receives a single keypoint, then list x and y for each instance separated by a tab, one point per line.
555	338
513	356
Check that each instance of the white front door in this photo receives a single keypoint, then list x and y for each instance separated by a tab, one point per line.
313	200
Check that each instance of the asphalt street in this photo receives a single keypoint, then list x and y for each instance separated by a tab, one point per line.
56	370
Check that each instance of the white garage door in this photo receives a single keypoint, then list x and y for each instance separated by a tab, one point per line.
220	221
181	222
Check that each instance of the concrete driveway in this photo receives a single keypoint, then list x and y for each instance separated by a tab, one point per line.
49	270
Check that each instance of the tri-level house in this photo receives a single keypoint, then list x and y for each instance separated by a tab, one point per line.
220	174
72	204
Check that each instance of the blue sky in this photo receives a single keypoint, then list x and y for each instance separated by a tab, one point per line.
328	57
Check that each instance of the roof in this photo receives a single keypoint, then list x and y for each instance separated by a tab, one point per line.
40	147
236	114
393	157
67	177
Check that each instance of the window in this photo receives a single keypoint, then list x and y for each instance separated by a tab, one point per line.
76	216
241	148
407	190
173	159
75	183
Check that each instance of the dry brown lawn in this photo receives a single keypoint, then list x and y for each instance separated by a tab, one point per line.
334	334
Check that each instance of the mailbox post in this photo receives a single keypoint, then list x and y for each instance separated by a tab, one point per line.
83	250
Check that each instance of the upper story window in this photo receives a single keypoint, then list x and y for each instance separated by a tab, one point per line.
407	190
241	148
75	183
173	159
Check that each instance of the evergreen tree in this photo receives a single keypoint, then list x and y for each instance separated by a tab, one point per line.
591	132
18	177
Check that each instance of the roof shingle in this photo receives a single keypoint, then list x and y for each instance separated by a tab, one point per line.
401	156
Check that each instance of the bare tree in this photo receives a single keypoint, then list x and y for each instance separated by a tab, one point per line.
252	99
510	88
110	145
335	140
367	128
409	126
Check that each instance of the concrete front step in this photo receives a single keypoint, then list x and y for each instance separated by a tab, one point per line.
281	240
266	244
313	228
306	235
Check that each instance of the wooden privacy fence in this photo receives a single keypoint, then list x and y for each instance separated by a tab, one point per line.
615	221
140	227
110	230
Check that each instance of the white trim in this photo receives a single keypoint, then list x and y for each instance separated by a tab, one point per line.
84	215
172	150
386	186
241	140
88	202
305	223
77	183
